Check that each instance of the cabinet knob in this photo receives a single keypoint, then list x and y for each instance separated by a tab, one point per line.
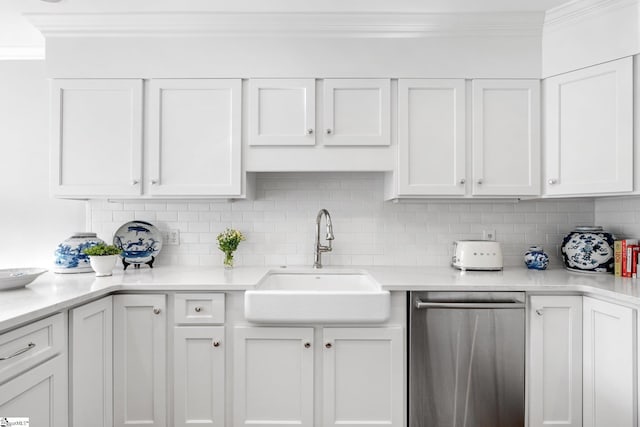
134	182
480	181
216	343
198	309
328	345
154	181
329	131
463	181
539	311
307	345
552	181
156	310
309	131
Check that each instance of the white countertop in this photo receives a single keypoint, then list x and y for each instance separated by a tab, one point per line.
54	292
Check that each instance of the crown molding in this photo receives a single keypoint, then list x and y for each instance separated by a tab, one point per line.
19	53
350	25
578	10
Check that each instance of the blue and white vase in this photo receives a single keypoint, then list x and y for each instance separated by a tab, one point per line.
536	259
69	257
588	249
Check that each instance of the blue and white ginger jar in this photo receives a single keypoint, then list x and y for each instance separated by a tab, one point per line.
69	257
588	249
536	259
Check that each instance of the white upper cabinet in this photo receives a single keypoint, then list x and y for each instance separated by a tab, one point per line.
282	112
357	112
589	130
96	137
431	137
195	137
506	137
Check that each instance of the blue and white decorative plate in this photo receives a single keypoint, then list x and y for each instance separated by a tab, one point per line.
588	249
140	242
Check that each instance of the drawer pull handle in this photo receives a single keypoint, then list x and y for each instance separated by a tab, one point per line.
19	352
198	309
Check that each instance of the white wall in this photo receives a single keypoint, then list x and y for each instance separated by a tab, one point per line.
280	223
31	223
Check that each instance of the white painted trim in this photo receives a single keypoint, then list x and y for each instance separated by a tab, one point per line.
577	10
392	25
19	53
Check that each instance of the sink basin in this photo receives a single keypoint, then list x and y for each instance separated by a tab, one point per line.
313	296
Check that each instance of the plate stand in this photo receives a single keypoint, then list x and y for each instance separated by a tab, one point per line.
137	265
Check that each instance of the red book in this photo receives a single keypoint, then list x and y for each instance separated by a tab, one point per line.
627	256
634	261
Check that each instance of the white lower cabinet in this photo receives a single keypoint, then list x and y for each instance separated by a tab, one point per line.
582	370
198	376
362	376
273	376
91	376
139	360
39	394
33	373
609	396
555	361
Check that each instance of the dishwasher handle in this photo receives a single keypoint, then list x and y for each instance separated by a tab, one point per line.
469	305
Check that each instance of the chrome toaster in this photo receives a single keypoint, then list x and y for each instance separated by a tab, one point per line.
477	255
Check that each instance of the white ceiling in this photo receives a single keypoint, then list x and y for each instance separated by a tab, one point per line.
17	36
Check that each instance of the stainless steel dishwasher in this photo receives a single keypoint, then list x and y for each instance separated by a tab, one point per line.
466	359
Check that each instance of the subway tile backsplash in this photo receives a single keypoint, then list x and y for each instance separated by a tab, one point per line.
279	223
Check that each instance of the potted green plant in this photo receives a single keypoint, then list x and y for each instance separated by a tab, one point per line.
103	258
228	242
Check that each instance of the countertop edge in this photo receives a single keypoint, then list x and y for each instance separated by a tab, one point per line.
402	279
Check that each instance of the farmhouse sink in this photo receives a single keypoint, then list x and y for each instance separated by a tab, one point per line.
311	296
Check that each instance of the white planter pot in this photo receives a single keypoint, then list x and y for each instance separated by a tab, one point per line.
103	265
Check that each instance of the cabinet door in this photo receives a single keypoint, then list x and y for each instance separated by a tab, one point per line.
555	361
194	136
39	394
589	130
357	112
91	351
431	137
97	137
282	112
139	360
273	376
506	137
609	367
363	377
198	376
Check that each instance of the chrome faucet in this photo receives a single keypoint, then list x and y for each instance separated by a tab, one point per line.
317	260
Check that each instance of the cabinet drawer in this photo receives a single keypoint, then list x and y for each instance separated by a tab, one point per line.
203	309
29	345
